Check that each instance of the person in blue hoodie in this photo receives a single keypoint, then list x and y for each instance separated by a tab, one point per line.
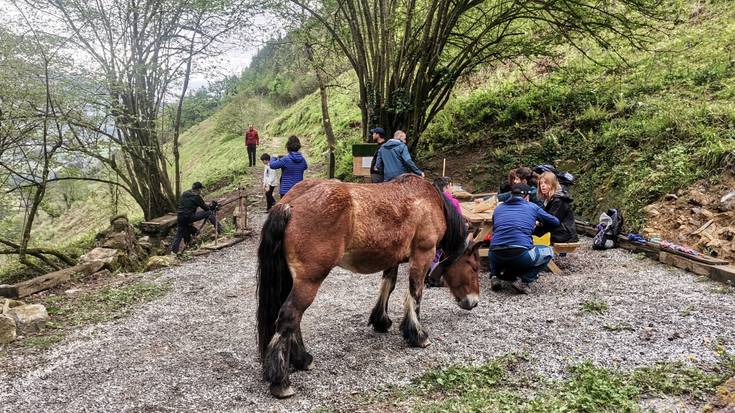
394	158
293	165
512	255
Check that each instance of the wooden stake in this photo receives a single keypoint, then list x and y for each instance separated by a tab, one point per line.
444	168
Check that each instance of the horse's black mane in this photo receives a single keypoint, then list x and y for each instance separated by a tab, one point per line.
453	243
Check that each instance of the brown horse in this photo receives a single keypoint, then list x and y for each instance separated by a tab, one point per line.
365	228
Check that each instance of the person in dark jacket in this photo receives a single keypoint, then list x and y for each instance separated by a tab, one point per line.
558	203
394	158
293	165
251	142
512	255
187	215
378	136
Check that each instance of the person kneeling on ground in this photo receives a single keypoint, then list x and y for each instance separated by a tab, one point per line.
512	256
187	215
558	203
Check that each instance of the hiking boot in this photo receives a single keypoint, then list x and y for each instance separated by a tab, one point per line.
520	286
495	283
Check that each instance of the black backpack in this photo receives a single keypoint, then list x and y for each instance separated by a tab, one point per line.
610	226
565	178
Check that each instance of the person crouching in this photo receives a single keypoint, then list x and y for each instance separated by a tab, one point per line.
512	255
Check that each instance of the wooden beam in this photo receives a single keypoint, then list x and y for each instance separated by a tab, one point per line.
224	243
44	282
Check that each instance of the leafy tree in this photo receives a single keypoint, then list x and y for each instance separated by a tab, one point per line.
140	52
409	54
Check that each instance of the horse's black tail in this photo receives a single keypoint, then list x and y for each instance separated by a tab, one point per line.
274	276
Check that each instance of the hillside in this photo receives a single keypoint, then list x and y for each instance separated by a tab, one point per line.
630	131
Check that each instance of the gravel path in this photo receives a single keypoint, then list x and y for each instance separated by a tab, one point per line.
193	350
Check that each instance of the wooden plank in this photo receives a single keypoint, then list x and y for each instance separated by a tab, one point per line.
554	268
566	247
684	263
50	280
223	243
159	225
723	273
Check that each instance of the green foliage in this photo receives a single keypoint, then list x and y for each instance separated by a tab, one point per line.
304	119
594	306
41	342
467	378
630	134
501	386
106	304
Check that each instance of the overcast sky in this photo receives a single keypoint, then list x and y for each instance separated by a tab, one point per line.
232	61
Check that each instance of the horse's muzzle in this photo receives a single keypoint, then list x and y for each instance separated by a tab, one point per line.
469	302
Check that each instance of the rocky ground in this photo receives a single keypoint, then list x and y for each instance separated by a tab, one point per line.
194	350
702	217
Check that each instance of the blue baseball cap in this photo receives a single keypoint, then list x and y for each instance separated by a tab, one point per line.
379	131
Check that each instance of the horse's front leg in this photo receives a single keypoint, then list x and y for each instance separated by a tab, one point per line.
379	316
287	343
412	330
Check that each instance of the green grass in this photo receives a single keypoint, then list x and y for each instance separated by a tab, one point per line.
629	133
506	385
304	119
41	342
103	305
594	306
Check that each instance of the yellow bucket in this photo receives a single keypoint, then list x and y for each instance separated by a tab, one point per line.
542	240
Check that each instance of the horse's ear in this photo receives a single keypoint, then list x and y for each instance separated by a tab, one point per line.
472	248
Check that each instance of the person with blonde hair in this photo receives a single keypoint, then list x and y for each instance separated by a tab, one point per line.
557	202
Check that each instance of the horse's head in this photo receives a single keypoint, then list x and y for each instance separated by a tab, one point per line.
462	276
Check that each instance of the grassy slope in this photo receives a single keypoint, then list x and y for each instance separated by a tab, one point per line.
304	119
629	133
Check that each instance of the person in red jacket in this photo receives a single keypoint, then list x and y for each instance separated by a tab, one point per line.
251	141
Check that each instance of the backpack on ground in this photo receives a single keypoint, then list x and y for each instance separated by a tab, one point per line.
610	226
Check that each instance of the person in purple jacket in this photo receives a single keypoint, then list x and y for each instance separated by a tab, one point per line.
512	256
293	165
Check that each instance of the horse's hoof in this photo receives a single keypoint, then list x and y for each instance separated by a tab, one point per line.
310	366
282	392
423	344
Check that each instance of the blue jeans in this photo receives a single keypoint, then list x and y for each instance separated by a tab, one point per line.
526	265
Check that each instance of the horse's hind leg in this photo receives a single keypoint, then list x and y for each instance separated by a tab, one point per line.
300	358
379	316
288	334
411	329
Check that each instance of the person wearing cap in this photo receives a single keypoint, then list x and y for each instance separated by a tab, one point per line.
378	136
394	158
512	255
187	215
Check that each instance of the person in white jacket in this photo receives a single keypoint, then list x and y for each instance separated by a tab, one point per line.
269	181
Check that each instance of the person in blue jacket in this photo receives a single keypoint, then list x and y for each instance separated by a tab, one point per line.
512	255
293	165
394	158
